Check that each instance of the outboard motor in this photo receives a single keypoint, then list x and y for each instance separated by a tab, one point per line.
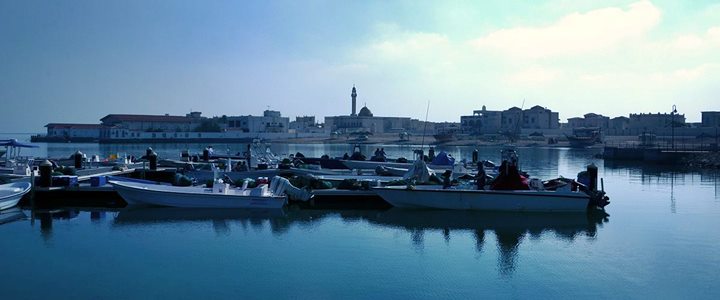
153	158
78	158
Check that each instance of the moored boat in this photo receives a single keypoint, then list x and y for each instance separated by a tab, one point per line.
11	193
584	137
220	196
495	200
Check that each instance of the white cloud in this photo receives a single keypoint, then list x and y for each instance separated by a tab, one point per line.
534	75
576	33
615	60
711	39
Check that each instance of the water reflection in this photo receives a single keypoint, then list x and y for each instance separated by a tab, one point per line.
219	218
46	218
509	228
11	215
671	179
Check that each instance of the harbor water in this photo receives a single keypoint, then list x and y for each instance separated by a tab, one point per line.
659	239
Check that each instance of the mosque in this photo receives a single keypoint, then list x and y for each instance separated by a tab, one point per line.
365	121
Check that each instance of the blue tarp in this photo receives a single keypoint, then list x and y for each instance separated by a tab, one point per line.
443	159
16	144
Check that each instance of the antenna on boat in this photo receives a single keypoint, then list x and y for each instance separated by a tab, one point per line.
422	143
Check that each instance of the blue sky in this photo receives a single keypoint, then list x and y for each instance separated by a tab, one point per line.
76	61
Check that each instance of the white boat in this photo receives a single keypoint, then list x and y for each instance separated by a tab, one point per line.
11	193
220	196
420	196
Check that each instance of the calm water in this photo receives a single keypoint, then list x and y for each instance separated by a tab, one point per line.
660	240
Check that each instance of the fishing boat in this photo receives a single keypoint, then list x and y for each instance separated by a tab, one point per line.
584	137
467	199
11	193
221	195
559	195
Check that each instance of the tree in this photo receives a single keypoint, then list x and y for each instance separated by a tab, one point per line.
208	126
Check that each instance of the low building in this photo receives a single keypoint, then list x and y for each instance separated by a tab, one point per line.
305	124
655	121
73	132
481	122
710	119
153	123
270	122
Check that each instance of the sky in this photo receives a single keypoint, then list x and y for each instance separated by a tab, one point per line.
77	61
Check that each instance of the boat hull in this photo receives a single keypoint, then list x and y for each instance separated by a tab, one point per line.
194	197
10	194
530	200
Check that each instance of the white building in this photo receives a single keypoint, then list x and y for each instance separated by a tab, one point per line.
271	122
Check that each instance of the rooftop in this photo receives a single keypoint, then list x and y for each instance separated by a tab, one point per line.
73	126
113	118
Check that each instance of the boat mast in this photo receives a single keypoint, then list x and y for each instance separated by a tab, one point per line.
422	143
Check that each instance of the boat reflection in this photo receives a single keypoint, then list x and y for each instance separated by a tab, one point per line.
11	215
509	228
219	217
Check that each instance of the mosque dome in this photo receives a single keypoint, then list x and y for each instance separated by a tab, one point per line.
365	112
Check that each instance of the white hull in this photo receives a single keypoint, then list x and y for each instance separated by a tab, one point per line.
11	193
527	200
197	197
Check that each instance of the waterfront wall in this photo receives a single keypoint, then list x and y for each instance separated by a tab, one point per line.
187	137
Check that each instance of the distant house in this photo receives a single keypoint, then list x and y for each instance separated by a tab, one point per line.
619	123
590	120
488	121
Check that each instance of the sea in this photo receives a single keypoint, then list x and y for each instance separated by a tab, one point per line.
658	239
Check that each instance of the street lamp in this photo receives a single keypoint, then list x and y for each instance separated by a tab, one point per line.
672	126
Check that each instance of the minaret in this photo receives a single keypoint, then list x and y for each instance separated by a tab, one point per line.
353	95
